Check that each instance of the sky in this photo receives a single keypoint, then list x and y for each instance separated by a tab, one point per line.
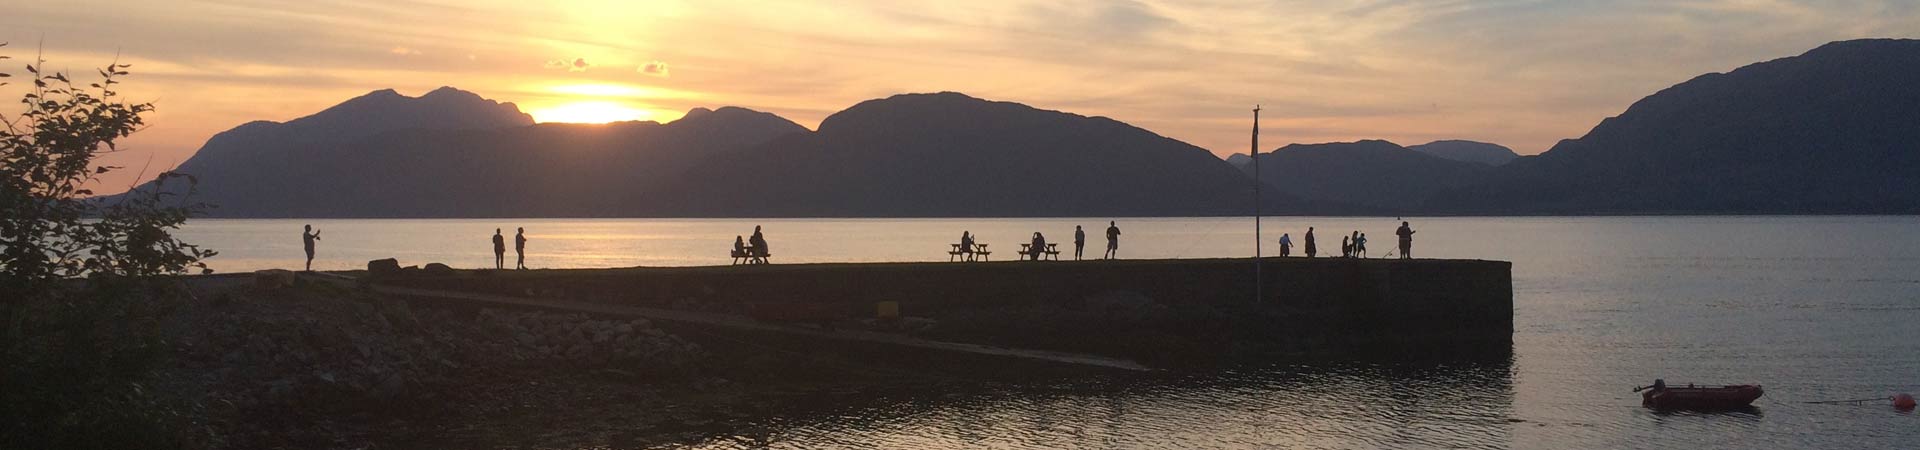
1524	74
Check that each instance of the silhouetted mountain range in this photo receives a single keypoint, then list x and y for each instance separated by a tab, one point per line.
1469	151
948	154
1831	131
452	154
1372	173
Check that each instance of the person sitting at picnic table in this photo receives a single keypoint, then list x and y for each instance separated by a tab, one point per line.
966	242
739	246
759	243
1039	246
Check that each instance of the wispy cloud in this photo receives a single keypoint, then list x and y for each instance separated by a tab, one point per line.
576	65
655	68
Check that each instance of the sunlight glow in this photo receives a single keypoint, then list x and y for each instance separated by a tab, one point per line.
590	111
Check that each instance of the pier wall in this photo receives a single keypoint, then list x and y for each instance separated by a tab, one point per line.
1307	304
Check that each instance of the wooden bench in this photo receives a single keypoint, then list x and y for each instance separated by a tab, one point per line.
748	256
1052	251
979	253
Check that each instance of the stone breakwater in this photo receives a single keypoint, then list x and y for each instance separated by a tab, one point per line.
1151	310
318	347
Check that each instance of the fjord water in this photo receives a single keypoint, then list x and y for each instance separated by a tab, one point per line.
1814	308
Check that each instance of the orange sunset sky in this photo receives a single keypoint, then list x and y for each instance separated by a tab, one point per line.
1519	73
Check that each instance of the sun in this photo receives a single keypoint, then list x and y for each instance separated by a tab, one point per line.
590	111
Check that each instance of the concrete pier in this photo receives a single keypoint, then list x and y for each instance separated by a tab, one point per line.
1144	309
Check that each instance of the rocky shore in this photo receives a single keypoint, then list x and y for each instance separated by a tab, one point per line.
315	365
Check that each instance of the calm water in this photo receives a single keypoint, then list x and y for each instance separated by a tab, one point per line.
1814	308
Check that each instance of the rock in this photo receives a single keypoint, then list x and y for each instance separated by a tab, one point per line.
623	329
393	386
383	267
916	323
273	278
438	269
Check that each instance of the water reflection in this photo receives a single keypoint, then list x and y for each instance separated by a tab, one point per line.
1324	405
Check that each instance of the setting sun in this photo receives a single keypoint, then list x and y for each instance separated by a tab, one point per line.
590	111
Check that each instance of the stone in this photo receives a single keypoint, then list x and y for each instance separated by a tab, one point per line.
383	267
438	269
273	278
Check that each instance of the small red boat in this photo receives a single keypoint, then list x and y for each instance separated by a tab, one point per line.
1661	396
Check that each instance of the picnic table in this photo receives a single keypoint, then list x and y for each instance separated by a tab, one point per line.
749	256
1052	251
979	251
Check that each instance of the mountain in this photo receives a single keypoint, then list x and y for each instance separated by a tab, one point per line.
450	153
1371	173
1833	130
1241	161
948	154
1468	151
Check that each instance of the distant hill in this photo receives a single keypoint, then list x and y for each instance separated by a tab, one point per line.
450	153
1371	173
1468	151
1834	130
1241	161
949	154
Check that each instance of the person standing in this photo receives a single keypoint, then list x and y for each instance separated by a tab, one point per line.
1286	245
1406	240
1113	240
1360	245
499	250
1079	241
1311	249
520	248
307	236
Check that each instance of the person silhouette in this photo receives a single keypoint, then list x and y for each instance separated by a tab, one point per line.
759	243
1346	247
739	246
1286	245
1079	241
966	242
1360	245
1406	240
307	236
499	250
1311	248
1038	247
1113	240
520	248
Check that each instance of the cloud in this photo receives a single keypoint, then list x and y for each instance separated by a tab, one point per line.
403	51
577	65
655	68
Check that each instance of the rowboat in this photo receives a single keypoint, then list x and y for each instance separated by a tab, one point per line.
1661	396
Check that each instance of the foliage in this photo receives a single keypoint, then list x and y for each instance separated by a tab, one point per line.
76	271
50	226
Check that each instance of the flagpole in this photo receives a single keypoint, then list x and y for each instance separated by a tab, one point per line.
1259	283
